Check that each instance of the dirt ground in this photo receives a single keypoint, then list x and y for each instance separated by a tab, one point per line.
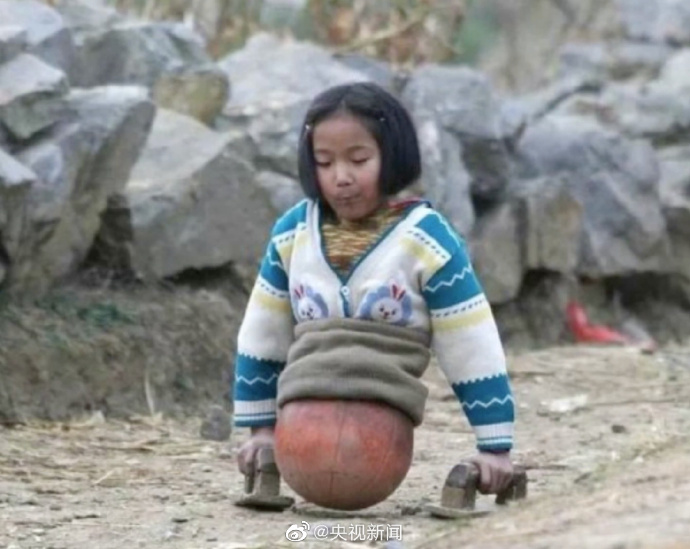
611	473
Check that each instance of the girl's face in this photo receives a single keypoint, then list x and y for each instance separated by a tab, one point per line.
348	164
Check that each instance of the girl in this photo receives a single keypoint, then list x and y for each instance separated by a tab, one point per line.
351	270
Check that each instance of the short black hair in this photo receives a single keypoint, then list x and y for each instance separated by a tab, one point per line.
386	119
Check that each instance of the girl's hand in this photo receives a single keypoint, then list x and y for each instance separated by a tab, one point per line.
495	471
262	437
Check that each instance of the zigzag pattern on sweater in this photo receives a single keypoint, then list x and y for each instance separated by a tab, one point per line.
257	379
274	262
474	381
493	402
450	283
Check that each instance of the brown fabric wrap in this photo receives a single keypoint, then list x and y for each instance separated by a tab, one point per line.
357	359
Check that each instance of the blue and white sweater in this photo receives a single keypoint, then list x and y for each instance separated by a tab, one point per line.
418	275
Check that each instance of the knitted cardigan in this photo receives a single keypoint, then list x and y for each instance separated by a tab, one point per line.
417	277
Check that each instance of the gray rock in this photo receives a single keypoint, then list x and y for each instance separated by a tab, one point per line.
119	120
284	192
445	181
274	127
616	181
520	111
32	98
267	69
87	15
536	228
190	197
464	104
552	221
675	185
5	142
654	111
675	197
13	174
217	425
616	60
663	21
15	182
379	72
12	42
675	74
167	58
197	92
47	35
497	255
137	53
79	164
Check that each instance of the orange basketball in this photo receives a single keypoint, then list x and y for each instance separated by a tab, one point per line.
343	454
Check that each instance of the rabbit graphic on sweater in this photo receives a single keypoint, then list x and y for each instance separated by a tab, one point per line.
390	303
308	304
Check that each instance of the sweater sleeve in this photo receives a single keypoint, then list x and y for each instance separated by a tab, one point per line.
264	339
467	344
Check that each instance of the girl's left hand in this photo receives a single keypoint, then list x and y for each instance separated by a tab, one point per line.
495	471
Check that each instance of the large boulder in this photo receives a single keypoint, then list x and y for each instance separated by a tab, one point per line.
658	113
464	105
81	162
200	92
613	61
655	111
273	83
87	15
497	252
615	179
675	74
274	127
167	58
191	203
663	21
12	42
553	219
47	35
536	228
15	181
267	68
445	180
675	197
379	72
283	191
31	95
517	112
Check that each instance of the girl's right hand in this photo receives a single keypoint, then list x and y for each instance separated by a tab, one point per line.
261	437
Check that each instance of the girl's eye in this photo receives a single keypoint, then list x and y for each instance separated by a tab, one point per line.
359	160
323	164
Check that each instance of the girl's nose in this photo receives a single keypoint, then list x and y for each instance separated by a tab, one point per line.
343	177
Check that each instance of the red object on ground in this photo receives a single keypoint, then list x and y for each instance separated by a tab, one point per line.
585	332
343	454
